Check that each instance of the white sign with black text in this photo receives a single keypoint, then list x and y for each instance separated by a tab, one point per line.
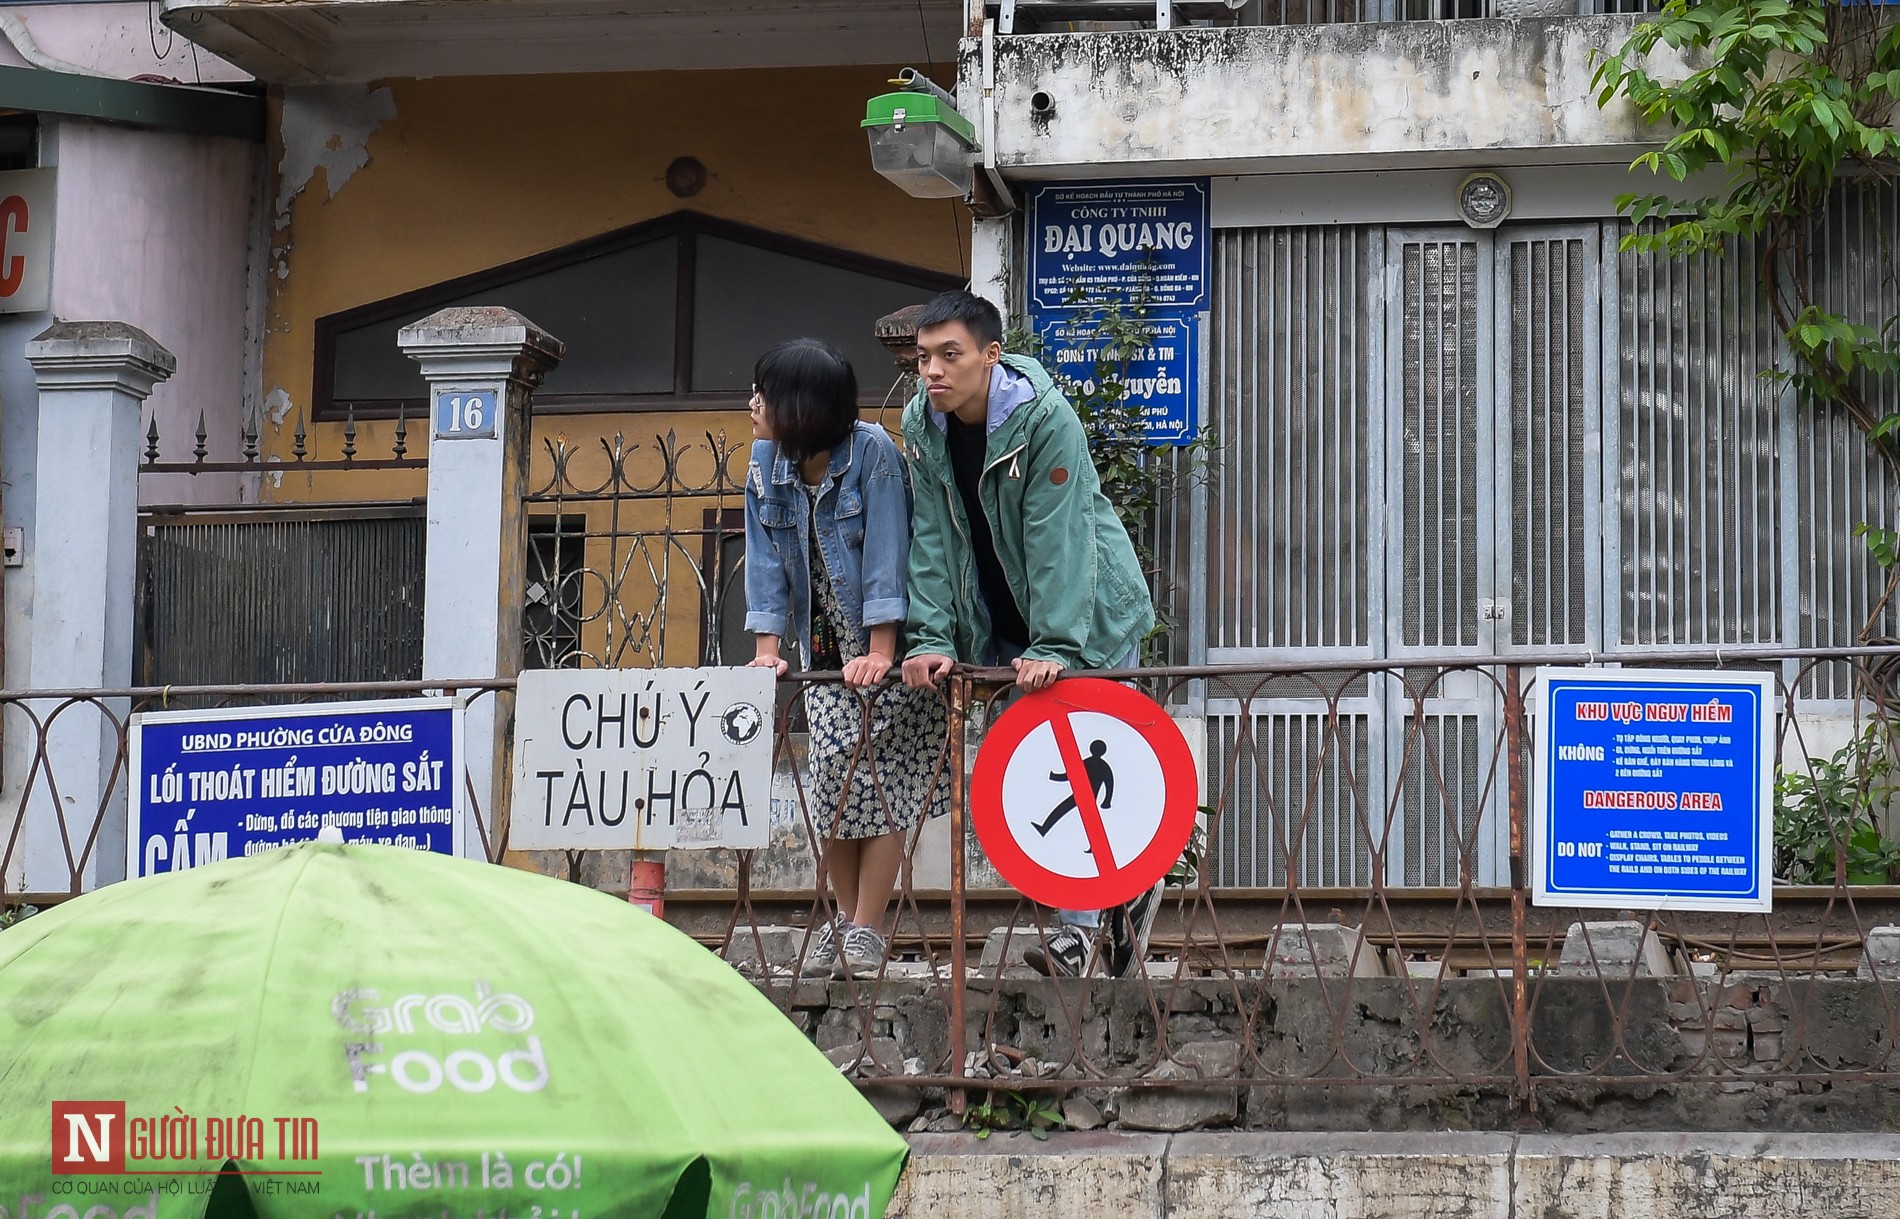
642	759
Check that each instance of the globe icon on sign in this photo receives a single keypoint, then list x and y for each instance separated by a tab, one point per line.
741	722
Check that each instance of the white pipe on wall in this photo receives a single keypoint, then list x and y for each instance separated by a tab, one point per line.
21	39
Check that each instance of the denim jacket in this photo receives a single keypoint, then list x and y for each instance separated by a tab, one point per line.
863	519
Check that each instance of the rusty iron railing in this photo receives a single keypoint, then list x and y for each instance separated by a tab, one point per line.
1356	939
1455	992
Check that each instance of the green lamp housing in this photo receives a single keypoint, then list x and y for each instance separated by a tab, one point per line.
920	142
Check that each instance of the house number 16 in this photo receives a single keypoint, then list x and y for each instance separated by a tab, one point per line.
464	416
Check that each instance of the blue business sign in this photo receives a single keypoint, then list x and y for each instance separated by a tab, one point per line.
211	785
1100	241
1160	378
1653	790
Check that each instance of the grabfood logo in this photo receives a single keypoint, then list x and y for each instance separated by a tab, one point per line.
509	1060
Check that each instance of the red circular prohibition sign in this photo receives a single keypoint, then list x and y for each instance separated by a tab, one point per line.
1122	879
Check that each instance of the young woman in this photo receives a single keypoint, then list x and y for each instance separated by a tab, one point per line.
827	544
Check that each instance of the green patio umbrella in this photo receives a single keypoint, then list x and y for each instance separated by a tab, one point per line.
364	1030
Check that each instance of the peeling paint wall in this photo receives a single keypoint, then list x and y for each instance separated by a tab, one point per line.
385	190
327	127
1258	99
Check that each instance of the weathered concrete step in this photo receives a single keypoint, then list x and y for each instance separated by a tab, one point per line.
1402	1176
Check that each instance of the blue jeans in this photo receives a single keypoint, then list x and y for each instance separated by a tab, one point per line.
1002	653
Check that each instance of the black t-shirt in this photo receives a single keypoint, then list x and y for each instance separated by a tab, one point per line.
967	446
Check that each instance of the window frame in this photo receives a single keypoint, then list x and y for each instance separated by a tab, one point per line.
687	227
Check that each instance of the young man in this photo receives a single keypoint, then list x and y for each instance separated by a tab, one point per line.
1016	555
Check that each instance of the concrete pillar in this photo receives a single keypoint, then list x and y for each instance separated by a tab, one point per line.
93	378
992	255
482	365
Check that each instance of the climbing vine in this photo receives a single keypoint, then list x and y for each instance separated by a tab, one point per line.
1786	100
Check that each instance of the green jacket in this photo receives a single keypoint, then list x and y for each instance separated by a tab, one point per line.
1061	546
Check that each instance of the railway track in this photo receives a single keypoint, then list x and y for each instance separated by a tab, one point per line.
1809	928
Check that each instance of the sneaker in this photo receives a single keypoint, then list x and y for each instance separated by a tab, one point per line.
822	958
1128	928
1067	955
864	953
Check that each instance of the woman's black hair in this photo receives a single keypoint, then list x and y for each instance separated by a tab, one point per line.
810	394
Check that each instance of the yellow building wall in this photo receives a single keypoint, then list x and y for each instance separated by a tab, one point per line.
469	173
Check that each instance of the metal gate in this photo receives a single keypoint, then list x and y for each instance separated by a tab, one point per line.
1438	444
280	595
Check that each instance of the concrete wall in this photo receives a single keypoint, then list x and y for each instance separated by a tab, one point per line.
1251	100
154	229
151	228
1399	1055
1422	1176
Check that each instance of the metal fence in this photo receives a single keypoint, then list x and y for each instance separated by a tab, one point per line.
1452	993
63	833
1452	989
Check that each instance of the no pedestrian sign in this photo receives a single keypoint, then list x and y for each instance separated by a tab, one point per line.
1084	794
1652	790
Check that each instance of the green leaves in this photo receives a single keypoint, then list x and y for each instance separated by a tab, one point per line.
1883	544
1012	1111
1786	97
1826	816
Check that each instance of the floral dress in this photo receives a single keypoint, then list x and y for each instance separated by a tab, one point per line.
903	774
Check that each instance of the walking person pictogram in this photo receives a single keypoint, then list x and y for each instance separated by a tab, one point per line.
1101	777
1105	744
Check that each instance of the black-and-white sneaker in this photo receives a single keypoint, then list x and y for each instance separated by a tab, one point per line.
821	959
863	953
1128	929
1067	955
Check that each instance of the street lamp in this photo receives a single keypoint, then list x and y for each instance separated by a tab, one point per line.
919	141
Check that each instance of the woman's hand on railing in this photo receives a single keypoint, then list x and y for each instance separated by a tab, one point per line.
866	670
774	662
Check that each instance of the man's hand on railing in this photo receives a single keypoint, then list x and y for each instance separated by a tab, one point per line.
924	669
1033	675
